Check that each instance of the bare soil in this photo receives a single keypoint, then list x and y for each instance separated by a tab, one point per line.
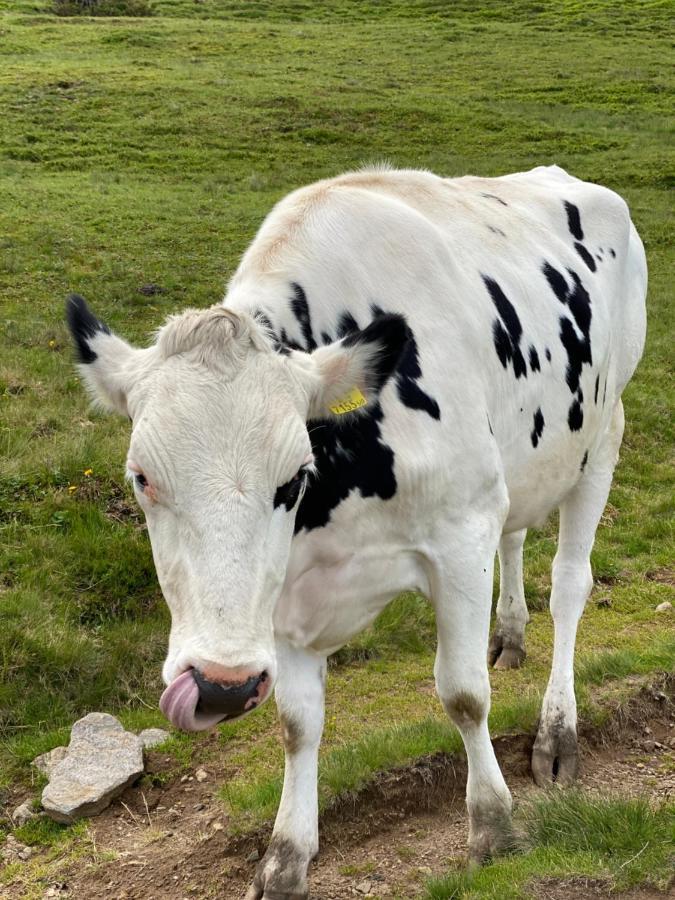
171	841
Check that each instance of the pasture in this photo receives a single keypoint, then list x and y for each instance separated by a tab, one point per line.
138	156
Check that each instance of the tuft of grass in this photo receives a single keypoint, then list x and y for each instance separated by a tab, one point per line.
566	834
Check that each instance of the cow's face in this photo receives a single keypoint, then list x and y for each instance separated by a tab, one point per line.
219	458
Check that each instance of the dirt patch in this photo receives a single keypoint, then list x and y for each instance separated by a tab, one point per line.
171	841
585	889
663	575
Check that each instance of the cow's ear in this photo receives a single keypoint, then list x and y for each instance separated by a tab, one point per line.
350	373
108	365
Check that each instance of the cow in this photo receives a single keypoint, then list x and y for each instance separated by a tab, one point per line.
406	373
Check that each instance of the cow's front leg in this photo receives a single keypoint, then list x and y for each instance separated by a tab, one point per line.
507	644
282	872
462	595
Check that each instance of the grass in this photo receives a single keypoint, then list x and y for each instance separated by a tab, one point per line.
138	151
620	842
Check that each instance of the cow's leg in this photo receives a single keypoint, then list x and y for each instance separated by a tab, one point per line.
507	644
282	872
555	755
462	595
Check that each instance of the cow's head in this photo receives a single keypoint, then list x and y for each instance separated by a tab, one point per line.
219	457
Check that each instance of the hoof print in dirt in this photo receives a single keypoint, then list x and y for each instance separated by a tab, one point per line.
102	760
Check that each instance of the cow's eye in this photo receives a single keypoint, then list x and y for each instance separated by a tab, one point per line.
288	493
141	481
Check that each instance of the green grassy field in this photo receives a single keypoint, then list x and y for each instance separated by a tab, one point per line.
145	151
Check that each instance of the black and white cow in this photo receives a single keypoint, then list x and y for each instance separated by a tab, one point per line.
406	373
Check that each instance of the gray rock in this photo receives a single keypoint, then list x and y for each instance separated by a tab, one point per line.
23	813
153	737
103	759
665	606
12	851
46	762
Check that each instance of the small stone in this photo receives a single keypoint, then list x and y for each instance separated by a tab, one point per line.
201	775
253	856
364	887
47	762
149	290
23	813
217	826
26	853
648	745
102	760
183	779
640	765
646	730
199	807
665	606
153	737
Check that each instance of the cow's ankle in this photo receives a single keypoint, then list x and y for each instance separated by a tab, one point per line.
282	872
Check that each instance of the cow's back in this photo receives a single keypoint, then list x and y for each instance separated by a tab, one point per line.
525	297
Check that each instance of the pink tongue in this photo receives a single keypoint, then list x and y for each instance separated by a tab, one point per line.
179	704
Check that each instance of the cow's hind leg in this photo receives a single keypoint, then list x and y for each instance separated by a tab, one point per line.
282	872
507	644
462	595
555	756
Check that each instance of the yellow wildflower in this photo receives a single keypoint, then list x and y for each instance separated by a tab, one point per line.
52	343
71	488
88	472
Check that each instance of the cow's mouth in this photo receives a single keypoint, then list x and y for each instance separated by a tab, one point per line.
192	703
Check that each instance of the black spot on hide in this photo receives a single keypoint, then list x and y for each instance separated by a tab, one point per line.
495	197
574	225
575	416
574	220
597	385
538	429
534	359
407	373
583	462
576	341
300	309
585	255
349	452
506	330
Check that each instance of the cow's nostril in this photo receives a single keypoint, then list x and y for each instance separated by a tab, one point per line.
227	700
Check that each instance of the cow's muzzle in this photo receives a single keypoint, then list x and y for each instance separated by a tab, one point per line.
196	701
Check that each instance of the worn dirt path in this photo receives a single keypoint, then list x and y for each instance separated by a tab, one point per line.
171	842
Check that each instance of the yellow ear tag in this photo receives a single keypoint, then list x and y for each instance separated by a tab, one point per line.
351	401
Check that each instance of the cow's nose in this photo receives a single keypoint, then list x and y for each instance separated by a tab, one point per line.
229	698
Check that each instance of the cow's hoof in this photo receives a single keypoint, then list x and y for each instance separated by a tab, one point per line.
505	652
281	873
490	834
555	757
